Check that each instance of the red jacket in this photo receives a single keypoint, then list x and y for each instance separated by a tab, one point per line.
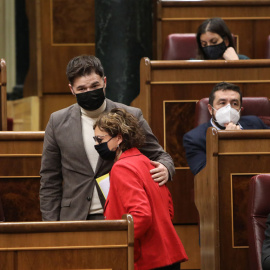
133	191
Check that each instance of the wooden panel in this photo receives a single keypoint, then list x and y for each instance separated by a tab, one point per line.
189	235
68	245
25	113
177	120
169	91
61	240
20	198
55	56
59	30
239	199
53	103
176	123
8	261
73	23
182	190
242	18
223	186
3	95
99	259
20	165
20	160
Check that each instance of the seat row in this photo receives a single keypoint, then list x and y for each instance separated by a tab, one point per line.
183	46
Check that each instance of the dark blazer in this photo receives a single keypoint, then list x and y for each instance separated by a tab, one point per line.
67	178
194	141
266	247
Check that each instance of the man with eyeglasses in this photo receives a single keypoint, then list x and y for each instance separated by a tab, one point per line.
225	104
70	164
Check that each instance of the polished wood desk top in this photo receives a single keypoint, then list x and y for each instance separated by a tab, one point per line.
63	226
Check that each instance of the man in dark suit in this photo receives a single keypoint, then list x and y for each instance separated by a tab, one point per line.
225	104
70	164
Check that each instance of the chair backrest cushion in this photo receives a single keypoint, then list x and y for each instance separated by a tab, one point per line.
180	47
258	210
183	46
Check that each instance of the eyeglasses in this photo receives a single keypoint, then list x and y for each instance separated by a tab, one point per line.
99	139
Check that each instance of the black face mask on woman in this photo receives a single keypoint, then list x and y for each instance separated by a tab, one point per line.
91	100
104	151
214	52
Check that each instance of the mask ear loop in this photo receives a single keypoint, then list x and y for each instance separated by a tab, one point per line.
213	114
118	152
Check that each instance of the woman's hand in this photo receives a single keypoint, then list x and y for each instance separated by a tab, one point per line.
230	54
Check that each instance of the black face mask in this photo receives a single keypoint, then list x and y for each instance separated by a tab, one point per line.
91	100
214	52
104	151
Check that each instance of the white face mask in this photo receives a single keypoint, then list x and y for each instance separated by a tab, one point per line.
226	115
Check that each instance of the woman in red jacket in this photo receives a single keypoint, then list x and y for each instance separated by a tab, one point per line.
133	191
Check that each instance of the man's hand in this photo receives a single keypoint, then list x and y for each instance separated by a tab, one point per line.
232	126
160	173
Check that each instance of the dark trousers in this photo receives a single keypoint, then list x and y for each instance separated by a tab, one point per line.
175	266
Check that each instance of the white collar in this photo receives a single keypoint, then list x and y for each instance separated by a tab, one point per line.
95	113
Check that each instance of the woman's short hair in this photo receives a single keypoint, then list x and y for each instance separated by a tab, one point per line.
214	25
119	121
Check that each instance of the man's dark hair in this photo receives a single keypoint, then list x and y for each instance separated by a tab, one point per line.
83	65
224	86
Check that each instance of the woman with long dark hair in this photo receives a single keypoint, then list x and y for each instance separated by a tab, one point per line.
215	41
